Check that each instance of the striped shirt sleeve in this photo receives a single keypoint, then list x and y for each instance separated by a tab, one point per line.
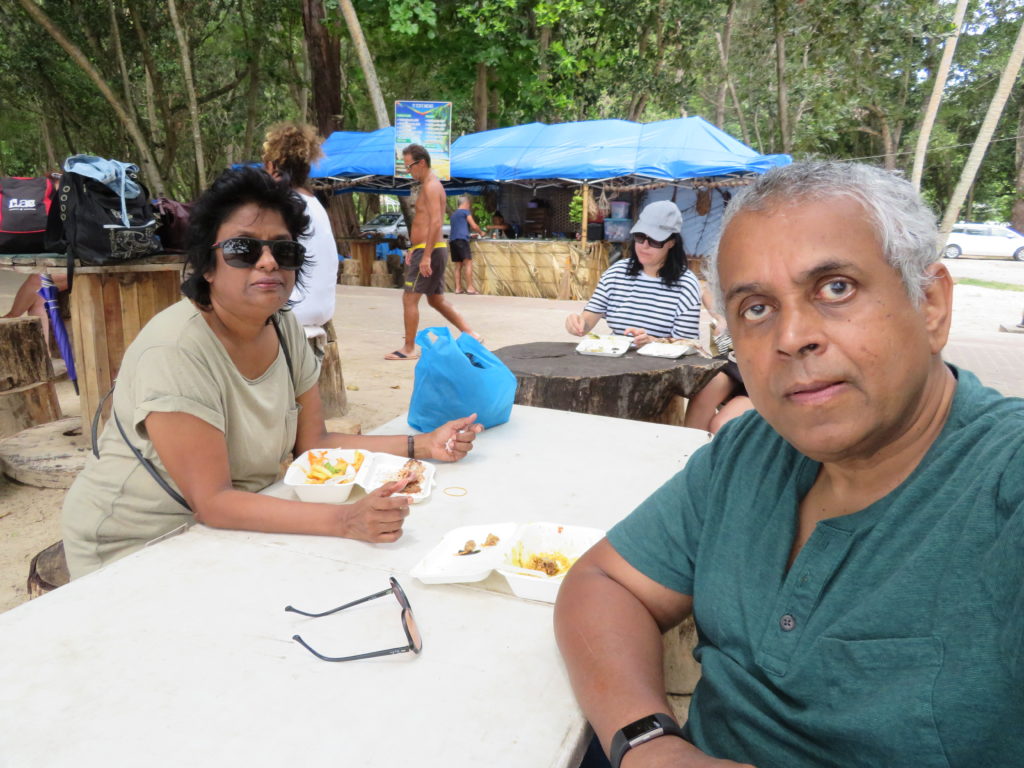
641	301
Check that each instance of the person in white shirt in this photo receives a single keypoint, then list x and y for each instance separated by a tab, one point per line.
288	152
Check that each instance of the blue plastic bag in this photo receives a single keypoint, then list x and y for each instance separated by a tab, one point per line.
457	377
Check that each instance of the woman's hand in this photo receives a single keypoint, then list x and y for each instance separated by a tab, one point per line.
639	335
576	325
452	441
378	517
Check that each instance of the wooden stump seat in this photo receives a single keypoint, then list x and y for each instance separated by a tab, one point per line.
48	570
27	392
554	375
331	381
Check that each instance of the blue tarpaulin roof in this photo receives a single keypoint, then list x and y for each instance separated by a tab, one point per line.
684	148
356	153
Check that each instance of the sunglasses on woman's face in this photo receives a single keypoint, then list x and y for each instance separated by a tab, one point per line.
244	252
640	238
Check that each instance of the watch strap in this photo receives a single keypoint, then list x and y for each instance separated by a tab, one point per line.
640	732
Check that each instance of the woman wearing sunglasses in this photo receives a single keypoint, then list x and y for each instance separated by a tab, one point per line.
650	293
218	390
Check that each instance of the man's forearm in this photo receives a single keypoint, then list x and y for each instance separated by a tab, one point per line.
612	649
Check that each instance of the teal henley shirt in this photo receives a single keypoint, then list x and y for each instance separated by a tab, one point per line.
897	636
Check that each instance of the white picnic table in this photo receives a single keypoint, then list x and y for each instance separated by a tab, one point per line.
181	654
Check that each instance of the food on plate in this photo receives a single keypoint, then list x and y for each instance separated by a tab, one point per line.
490	541
551	563
412	471
326	472
548	563
468	549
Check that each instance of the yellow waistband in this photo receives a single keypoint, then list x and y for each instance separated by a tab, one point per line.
420	246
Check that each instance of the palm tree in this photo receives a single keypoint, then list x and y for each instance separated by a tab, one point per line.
936	98
988	126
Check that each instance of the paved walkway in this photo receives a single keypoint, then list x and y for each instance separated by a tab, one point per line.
997	359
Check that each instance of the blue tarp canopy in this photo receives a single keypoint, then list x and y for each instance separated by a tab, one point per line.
352	154
592	150
595	150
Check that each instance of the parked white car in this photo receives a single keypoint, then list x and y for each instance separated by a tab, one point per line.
385	225
392	225
984	240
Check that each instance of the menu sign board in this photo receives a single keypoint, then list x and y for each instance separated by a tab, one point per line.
429	124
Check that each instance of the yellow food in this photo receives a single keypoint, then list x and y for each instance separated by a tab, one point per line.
548	563
321	470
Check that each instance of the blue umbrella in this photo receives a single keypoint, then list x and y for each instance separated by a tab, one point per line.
49	293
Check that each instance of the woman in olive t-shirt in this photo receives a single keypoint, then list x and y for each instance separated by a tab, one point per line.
206	393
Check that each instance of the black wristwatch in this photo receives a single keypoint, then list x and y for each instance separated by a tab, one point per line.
641	731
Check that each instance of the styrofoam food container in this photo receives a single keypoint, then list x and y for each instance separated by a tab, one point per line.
326	493
443	564
662	349
569	540
376	470
384	467
608	345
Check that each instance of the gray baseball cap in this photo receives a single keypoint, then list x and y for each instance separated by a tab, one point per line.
659	220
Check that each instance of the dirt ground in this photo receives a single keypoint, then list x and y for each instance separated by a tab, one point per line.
369	324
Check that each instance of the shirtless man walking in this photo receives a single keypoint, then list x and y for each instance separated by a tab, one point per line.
426	261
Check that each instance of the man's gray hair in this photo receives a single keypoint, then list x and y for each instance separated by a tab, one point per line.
465	199
905	226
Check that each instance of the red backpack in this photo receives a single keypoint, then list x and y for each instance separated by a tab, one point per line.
24	205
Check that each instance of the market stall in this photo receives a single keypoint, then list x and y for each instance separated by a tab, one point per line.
531	173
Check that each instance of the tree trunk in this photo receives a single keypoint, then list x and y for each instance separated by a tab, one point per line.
779	14
1017	215
725	85
932	108
52	163
380	111
372	85
324	52
480	102
190	89
147	159
723	57
122	66
157	97
988	126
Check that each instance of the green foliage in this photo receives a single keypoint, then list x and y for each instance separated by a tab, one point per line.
857	75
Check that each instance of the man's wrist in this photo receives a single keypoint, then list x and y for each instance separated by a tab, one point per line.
642	731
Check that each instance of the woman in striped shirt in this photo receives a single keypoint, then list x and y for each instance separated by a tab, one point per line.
649	294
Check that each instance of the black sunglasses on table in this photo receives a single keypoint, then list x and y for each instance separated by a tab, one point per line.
412	632
244	252
640	238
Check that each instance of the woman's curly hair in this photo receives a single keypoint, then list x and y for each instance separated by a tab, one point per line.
291	148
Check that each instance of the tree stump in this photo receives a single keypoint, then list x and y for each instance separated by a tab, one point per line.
553	375
332	383
27	393
48	570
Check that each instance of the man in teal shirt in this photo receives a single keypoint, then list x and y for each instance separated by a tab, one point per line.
853	551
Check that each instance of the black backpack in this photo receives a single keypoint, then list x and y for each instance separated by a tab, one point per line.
90	222
24	206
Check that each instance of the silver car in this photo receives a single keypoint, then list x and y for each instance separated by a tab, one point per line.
984	240
385	225
392	225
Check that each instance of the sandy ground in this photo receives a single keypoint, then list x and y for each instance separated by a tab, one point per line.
369	324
